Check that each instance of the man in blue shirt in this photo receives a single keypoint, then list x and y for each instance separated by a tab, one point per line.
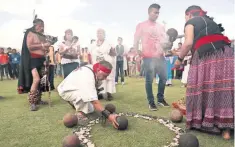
15	62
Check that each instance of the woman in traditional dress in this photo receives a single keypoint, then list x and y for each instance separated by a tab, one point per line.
131	56
210	88
69	50
102	50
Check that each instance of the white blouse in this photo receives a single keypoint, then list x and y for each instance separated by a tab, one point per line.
75	48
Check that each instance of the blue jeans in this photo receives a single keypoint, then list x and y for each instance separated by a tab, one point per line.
59	70
51	76
153	66
142	69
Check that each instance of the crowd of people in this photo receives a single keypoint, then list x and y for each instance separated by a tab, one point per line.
204	62
9	63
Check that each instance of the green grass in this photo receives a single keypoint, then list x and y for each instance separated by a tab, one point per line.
21	128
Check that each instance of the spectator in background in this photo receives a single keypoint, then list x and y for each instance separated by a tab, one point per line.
15	63
59	69
85	56
179	72
138	62
131	58
51	67
120	50
10	71
4	60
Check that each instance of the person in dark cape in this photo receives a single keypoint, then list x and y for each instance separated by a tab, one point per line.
33	58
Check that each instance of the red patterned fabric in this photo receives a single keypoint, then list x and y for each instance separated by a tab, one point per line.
210	91
210	38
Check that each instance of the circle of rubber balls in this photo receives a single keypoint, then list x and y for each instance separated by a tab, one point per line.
84	135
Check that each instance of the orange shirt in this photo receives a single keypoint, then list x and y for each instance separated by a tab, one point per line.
4	59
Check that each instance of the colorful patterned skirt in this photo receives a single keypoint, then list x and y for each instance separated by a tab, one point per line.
210	92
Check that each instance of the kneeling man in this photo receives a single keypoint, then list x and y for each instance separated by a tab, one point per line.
79	88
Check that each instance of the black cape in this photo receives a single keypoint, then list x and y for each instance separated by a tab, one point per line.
25	76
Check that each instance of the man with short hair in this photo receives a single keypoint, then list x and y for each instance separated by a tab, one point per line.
15	63
153	36
80	87
119	60
10	72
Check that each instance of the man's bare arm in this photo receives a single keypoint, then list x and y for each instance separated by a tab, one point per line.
137	37
98	106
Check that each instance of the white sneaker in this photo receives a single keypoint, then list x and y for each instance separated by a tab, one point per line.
116	83
123	83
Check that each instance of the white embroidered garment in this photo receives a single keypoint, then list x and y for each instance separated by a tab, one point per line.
99	53
79	89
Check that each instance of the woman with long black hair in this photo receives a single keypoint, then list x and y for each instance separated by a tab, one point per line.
210	88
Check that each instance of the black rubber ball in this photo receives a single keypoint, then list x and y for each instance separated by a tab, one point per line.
188	140
122	122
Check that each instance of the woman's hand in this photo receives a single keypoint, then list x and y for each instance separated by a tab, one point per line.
173	52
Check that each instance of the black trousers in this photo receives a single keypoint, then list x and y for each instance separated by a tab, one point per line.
3	68
119	68
15	69
51	76
179	74
10	70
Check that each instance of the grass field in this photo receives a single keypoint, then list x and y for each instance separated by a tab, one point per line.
21	128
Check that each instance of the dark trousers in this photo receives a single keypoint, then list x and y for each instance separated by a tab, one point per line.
10	71
119	67
15	69
68	68
51	76
126	72
142	69
3	68
151	67
179	74
173	74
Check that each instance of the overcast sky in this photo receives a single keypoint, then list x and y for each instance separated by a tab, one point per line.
117	17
